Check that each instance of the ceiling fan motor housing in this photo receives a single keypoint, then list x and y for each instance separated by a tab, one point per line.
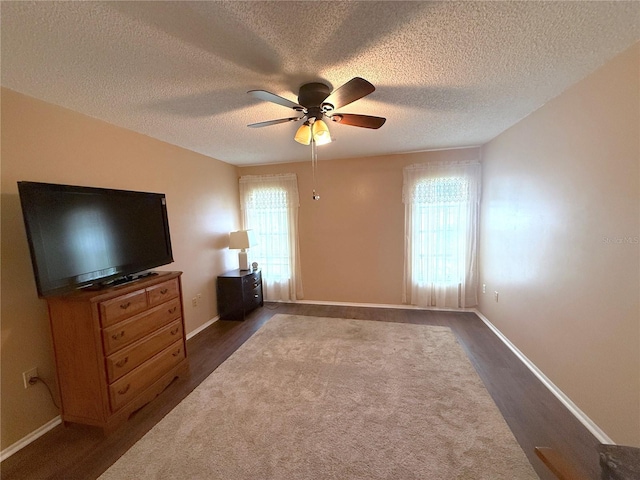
313	94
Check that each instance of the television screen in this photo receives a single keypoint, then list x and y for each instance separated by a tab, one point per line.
84	235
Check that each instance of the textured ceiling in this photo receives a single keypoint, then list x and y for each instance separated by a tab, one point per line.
447	74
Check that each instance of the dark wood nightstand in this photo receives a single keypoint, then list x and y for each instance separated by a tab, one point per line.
239	292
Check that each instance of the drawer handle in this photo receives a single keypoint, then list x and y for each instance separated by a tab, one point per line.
117	336
124	306
175	331
256	296
122	362
125	389
255	285
173	310
163	291
176	353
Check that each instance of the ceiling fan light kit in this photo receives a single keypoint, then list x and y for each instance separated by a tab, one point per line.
321	134
316	101
303	135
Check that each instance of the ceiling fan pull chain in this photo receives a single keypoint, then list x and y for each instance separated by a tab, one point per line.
314	163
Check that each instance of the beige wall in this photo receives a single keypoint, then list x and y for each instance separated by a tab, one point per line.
42	142
559	242
351	240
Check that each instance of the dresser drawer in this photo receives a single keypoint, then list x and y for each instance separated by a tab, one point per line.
162	292
128	358
127	387
112	311
134	328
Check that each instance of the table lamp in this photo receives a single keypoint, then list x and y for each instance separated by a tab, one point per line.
241	240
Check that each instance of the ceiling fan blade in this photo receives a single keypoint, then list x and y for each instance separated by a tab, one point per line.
366	121
351	91
274	122
272	97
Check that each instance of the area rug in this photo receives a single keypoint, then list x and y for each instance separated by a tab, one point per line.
323	398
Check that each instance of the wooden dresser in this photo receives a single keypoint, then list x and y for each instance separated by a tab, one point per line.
116	349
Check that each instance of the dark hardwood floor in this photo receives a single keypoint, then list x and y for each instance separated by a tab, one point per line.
535	416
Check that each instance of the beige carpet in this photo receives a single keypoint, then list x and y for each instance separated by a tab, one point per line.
322	398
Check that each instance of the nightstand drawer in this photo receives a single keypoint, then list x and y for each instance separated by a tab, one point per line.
251	281
254	296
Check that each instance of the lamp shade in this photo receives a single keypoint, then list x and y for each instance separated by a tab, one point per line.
321	134
242	239
303	135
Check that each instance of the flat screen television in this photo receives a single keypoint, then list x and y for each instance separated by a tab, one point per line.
80	236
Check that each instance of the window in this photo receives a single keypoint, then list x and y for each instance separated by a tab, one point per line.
267	215
270	208
441	209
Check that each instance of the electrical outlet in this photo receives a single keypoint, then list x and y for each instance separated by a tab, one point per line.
28	375
495	296
194	301
199	297
484	288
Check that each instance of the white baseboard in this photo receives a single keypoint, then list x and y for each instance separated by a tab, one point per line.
50	425
193	333
374	305
559	394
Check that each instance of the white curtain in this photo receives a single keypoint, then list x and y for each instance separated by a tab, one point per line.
269	205
441	229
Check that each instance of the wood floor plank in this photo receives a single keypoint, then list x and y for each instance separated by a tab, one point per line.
537	418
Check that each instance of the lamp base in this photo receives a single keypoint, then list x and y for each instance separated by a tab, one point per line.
243	260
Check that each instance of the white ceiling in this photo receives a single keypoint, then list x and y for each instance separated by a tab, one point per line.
447	74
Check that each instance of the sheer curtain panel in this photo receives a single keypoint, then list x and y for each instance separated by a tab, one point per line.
269	205
441	229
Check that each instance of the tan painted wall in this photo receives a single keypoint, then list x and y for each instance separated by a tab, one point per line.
560	242
351	240
42	142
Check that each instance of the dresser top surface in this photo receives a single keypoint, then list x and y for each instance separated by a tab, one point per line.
102	294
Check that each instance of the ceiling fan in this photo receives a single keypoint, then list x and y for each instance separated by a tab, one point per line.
315	102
